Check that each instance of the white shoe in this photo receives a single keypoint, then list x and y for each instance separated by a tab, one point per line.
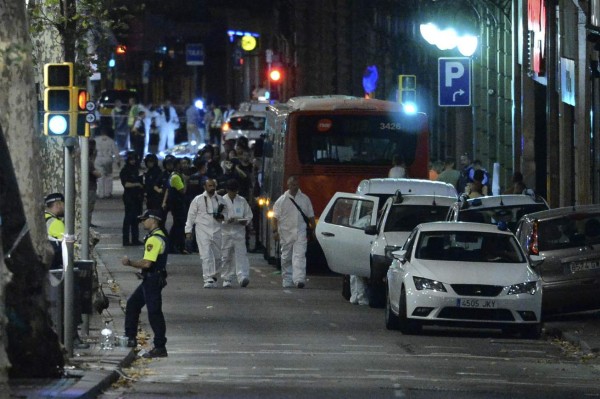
288	285
209	284
226	284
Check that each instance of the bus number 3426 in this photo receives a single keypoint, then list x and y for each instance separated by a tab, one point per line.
390	126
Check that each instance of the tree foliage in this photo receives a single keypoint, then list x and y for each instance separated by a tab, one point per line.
87	29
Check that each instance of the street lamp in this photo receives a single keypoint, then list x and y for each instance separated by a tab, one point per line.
448	39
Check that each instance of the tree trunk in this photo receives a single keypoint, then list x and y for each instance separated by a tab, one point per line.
33	347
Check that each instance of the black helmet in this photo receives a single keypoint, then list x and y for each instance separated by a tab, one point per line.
150	157
131	155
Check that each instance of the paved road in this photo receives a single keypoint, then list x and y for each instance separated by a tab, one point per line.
269	342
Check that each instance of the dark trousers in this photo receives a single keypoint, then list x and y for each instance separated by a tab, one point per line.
177	232
215	136
137	142
131	223
148	294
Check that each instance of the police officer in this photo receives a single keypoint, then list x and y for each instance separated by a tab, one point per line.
153	182
55	227
149	292
133	198
177	205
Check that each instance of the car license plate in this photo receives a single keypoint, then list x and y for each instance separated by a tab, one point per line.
476	303
584	265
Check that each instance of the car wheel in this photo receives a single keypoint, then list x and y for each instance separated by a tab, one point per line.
532	331
406	325
392	321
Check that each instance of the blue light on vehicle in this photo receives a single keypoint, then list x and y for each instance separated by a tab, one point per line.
409	108
502	225
111	63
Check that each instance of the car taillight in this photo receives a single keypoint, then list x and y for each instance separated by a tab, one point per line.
225	128
532	244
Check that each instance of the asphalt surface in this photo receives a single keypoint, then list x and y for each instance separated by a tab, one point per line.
93	370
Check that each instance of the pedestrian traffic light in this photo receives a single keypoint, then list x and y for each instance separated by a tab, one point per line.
58	99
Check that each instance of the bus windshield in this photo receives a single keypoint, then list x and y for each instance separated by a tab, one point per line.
356	139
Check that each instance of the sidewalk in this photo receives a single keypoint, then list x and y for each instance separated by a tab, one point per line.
93	370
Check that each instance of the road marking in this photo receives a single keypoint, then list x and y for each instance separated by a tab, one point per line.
333	325
295	369
351	338
316	312
361	346
476	374
385	371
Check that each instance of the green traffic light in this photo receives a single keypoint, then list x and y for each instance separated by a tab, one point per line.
58	125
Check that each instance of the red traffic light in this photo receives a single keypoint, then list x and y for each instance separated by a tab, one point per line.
275	75
82	99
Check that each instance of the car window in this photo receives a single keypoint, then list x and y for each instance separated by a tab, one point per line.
406	218
508	214
409	243
469	247
350	212
568	231
247	123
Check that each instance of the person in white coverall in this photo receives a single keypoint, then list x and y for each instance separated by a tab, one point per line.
290	229
206	212
167	121
237	216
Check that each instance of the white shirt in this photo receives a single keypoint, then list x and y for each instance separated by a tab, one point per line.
201	213
237	208
289	219
397	171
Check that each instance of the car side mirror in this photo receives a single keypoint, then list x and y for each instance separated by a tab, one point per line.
400	255
536	260
371	230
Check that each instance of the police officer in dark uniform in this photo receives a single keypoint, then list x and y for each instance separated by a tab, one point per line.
149	292
133	198
152	183
177	205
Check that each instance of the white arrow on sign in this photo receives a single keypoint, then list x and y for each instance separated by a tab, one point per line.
461	92
90	118
90	106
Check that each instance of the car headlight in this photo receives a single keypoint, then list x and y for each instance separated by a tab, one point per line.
389	249
427	284
523	288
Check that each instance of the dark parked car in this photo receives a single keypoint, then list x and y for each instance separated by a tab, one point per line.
568	239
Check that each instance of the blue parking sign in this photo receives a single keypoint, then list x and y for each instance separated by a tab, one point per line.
194	54
454	81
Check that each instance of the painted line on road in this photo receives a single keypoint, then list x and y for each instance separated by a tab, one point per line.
361	346
333	325
295	369
385	371
351	338
316	312
274	344
476	374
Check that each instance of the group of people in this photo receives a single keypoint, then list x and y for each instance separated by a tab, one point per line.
132	125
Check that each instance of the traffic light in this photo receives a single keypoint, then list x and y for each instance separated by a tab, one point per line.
58	99
275	75
78	118
407	85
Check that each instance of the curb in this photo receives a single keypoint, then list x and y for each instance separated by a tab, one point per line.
94	382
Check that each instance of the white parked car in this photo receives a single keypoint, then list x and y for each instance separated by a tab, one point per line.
357	232
463	274
250	124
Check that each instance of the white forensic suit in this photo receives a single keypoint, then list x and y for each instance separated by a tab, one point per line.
208	234
292	236
235	258
167	121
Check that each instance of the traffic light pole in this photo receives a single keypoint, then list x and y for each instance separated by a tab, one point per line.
69	277
85	211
